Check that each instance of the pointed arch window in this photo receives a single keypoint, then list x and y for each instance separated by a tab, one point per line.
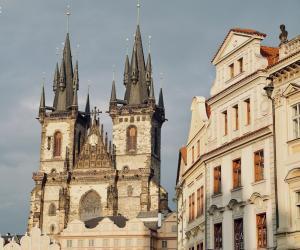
57	144
90	206
52	210
131	138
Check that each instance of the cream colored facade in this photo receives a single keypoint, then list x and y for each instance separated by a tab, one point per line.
286	94
238	150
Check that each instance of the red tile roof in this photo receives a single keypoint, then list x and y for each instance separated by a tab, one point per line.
183	152
248	31
239	30
271	53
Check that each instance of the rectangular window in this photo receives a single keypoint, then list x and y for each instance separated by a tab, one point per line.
69	243
198	148
190	208
198	202
298	204
80	243
236	117
237	171
238	234
193	206
296	120
259	165
248	111
225	117
218	236
164	244
261	228
231	70
217	180
240	62
193	154
91	242
201	200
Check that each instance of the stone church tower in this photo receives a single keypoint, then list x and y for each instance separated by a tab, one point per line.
82	175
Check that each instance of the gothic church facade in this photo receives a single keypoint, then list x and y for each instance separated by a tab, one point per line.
84	177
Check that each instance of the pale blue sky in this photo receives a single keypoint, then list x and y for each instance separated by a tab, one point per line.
185	36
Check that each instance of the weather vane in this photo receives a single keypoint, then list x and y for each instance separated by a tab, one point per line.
149	44
138	11
68	14
127	46
114	72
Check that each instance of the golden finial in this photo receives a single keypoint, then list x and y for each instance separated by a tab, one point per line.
68	14
138	11
127	46
149	43
114	72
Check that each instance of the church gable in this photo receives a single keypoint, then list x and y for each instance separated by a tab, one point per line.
234	40
94	153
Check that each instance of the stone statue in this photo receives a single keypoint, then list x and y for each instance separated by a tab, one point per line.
283	35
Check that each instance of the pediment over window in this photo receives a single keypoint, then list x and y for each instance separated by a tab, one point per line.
293	175
291	89
235	39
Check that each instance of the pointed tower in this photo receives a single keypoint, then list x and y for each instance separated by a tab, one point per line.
64	129
137	122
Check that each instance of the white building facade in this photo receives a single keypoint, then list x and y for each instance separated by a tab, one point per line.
240	165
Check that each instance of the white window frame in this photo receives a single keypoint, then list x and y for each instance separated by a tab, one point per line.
296	120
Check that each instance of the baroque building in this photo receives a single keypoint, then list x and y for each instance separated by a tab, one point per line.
86	180
246	163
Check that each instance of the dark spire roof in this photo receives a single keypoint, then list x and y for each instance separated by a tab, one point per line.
56	78
42	101
87	105
64	93
148	69
161	100
76	77
126	71
136	86
151	94
113	96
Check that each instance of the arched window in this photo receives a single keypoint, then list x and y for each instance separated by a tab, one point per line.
90	206
131	138
52	210
57	144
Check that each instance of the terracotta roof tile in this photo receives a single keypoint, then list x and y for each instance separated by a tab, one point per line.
271	53
183	152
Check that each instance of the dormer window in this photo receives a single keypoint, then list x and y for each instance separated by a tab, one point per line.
231	71
240	64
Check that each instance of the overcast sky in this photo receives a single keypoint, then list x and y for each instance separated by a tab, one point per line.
185	36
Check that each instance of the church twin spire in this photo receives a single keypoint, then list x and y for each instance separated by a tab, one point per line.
138	79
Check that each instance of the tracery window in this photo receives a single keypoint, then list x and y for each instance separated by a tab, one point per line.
52	210
131	138
57	144
90	206
238	234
